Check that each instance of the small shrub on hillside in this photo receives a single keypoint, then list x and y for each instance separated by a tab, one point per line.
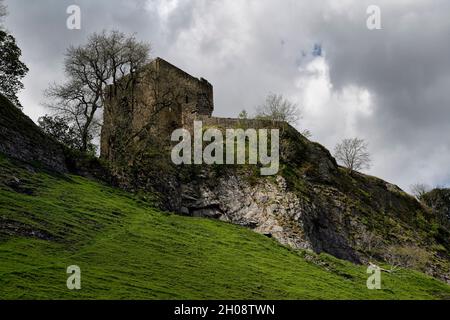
410	256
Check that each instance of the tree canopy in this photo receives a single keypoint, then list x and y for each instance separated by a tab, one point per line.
12	69
278	108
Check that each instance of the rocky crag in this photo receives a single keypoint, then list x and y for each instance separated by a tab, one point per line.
22	139
312	203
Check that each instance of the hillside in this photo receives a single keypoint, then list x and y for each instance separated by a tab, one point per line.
55	212
312	203
126	249
21	138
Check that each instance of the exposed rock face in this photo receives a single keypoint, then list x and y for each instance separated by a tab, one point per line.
439	201
321	217
267	207
21	139
310	204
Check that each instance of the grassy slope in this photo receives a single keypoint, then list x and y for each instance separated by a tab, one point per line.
128	250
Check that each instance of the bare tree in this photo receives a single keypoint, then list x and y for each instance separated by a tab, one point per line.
409	256
418	190
108	59
77	106
371	243
353	154
278	108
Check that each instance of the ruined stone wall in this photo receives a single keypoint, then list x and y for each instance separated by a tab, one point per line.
233	123
195	96
166	98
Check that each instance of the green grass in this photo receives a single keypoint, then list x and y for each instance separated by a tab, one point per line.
128	250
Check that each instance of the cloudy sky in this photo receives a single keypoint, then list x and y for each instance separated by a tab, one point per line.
389	86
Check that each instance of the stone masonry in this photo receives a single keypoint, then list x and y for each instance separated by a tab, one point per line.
166	98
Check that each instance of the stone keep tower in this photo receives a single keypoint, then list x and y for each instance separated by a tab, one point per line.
165	98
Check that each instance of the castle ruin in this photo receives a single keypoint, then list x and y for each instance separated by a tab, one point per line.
142	116
163	99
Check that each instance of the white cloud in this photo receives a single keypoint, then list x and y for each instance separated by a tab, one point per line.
330	114
163	8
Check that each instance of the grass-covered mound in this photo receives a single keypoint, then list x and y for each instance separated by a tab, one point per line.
128	250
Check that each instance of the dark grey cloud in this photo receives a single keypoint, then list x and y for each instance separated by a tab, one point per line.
40	28
389	86
406	68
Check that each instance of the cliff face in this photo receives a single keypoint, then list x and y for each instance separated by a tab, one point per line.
439	202
20	138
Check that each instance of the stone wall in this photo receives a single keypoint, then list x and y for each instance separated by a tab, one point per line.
166	98
241	123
